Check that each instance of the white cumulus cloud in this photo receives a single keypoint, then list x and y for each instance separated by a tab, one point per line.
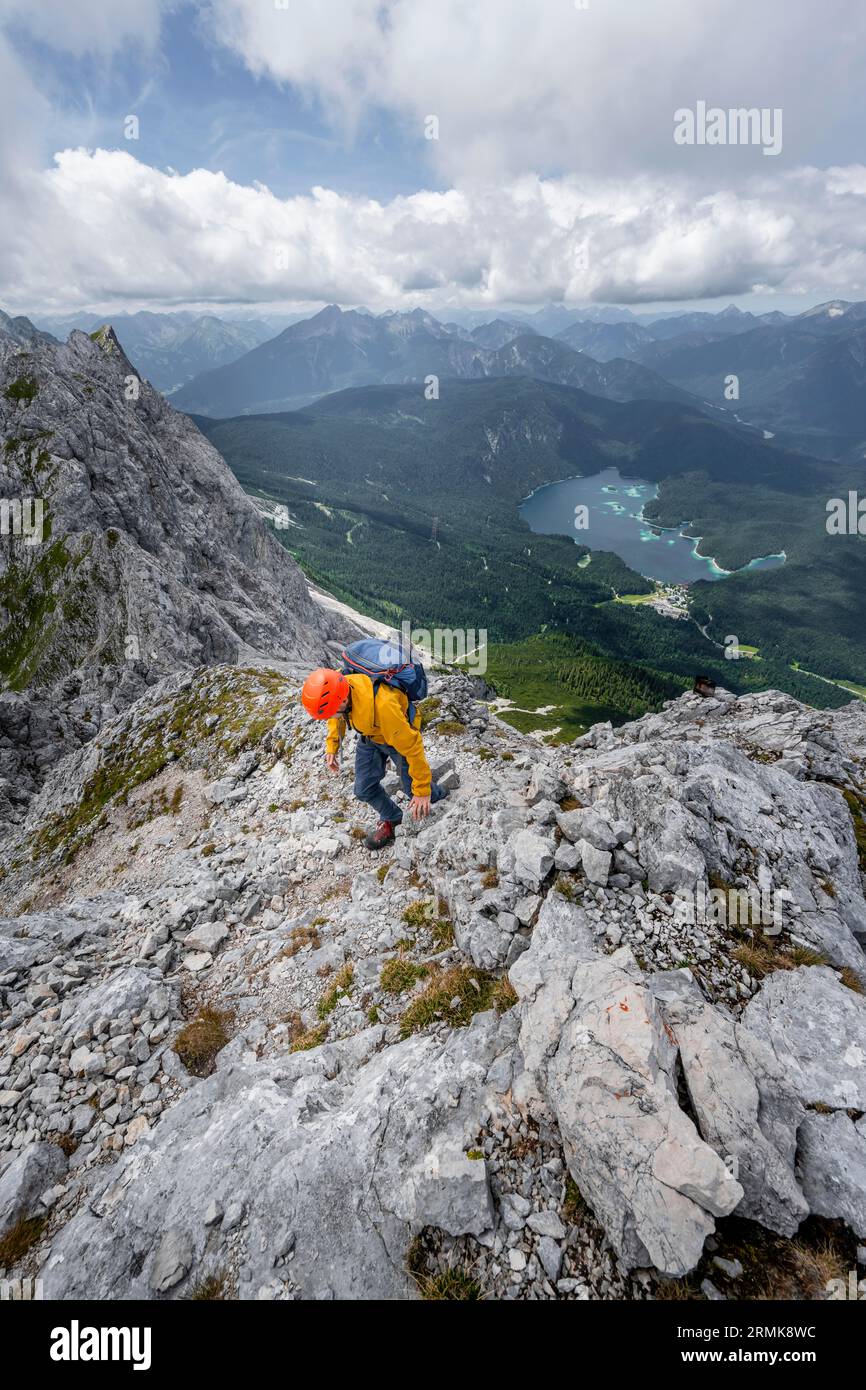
101	226
548	86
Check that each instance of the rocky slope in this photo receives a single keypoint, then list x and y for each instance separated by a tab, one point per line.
240	1057
148	555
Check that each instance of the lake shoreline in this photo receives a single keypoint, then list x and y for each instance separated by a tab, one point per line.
622	542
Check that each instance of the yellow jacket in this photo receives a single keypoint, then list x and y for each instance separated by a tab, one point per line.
384	721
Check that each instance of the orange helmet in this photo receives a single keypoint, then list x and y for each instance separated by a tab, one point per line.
324	692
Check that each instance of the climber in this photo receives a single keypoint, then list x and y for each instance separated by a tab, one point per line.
388	727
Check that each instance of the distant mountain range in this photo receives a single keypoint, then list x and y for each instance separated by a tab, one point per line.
803	376
22	331
337	349
170	349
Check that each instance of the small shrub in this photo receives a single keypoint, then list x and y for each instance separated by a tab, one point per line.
507	757
850	980
490	879
428	709
208	850
450	727
23	390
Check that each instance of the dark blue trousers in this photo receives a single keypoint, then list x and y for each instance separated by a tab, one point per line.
371	760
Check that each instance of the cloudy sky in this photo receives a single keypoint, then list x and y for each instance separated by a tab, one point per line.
282	156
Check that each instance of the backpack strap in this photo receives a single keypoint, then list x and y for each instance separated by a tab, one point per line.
411	709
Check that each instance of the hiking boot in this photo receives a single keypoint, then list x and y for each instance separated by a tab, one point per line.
380	837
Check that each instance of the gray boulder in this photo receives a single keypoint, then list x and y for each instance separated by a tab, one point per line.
596	862
831	1161
528	856
604	1062
727	1100
816	1029
36	1168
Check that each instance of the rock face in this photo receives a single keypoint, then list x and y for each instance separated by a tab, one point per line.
818	1034
340	1151
608	1075
146	556
505	1040
737	1089
832	1167
33	1172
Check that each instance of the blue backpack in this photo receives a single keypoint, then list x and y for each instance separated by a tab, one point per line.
386	663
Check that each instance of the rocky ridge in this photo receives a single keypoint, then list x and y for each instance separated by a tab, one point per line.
241	1057
147	555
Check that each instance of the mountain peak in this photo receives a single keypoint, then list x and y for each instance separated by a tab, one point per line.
155	559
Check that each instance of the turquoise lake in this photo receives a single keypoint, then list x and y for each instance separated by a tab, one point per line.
616	523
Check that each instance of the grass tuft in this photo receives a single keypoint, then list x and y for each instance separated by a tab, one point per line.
20	1239
208	1289
200	1041
313	1037
400	974
342	984
474	990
